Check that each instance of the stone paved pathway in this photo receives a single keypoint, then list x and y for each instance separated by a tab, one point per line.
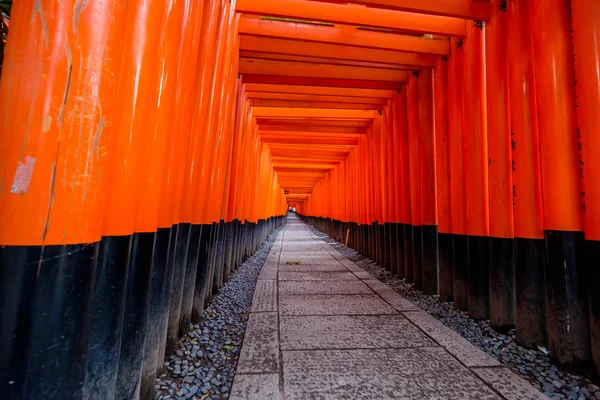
325	329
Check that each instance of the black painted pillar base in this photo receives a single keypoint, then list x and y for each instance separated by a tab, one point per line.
134	323
392	248
408	253
479	277
107	317
386	247
417	256
430	259
530	290
592	255
567	298
446	261
178	280
189	279
502	283
461	268
400	262
46	310
199	293
155	299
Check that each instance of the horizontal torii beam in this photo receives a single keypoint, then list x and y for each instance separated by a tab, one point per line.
305	70
333	51
343	36
356	16
479	10
276	112
317	90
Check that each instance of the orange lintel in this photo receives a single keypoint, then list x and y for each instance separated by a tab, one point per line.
317	122
275	46
259	55
311	129
292	134
259	112
304	70
315	140
317	90
312	97
327	82
467	9
341	36
313	104
355	15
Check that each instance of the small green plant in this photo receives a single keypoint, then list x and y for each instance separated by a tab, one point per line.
5	7
293	263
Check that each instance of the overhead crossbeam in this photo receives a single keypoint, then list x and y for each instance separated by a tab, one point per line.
316	90
257	55
273	112
355	15
274	47
313	104
320	98
325	82
345	35
479	10
305	70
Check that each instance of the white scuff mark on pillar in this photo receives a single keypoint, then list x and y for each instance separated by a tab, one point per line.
23	176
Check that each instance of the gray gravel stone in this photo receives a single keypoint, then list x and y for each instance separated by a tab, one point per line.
205	360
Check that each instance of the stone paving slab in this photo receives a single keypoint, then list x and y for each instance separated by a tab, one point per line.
455	344
265	296
269	271
308	259
348	331
260	351
333	305
392	297
316	276
323	287
509	385
413	373
312	268
255	387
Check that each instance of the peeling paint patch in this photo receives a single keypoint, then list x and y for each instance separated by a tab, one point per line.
46	123
23	176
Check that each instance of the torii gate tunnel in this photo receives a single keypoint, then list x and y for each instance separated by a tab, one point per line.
148	147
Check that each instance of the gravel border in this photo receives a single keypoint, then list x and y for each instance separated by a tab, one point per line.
531	364
204	364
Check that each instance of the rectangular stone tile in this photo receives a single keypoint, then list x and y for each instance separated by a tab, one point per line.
349	331
269	271
260	349
316	276
300	252
333	305
255	387
508	384
455	344
323	287
312	268
391	296
265	296
423	373
308	261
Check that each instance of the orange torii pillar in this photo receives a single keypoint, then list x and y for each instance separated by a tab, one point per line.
405	235
586	27
429	219
442	155
456	77
414	134
502	249
566	290
530	276
475	163
398	118
54	171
